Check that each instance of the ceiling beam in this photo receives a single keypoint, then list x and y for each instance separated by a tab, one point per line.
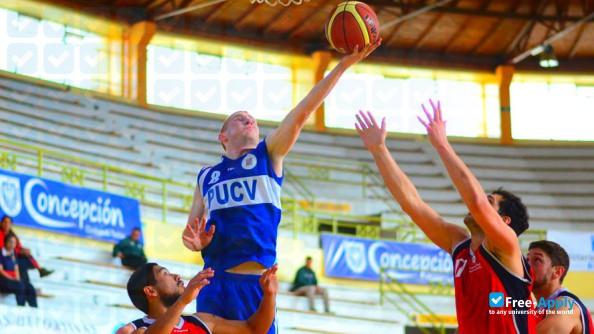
238	23
576	41
449	45
216	11
394	32
498	25
314	11
407	16
187	10
538	49
475	12
526	30
413	14
275	18
427	32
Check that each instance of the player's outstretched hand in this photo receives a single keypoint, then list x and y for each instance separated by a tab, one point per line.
198	237
195	285
371	133
435	125
269	282
357	55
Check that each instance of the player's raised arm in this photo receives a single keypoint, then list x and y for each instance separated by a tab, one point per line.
443	234
281	140
195	237
259	322
167	321
563	320
499	236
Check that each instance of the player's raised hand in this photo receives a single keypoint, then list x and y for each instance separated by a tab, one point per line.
357	55
198	237
269	282
435	125
196	284
372	134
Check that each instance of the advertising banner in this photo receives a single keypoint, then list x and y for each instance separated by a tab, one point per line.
578	245
358	258
63	208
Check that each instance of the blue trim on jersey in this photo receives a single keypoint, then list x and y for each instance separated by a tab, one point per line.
459	247
515	286
583	310
242	199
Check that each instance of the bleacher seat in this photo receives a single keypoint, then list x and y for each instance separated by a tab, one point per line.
556	182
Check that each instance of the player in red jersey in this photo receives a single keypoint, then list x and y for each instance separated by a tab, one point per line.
163	297
489	260
550	264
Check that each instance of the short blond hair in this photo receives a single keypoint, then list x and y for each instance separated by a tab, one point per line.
226	124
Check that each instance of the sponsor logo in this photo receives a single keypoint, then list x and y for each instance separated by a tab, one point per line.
459	267
355	256
359	258
10	195
249	162
52	210
372	26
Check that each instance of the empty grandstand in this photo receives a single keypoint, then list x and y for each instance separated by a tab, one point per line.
124	137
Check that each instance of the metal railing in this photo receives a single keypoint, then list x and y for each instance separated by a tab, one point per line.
173	196
372	185
389	288
301	219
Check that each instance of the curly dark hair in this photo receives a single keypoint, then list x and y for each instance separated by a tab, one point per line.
512	206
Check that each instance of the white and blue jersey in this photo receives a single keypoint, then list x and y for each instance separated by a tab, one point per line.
243	200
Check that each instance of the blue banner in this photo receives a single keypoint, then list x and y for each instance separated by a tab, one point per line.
59	207
357	258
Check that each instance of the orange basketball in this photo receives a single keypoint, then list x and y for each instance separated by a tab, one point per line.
352	23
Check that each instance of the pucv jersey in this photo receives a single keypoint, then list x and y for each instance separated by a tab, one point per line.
243	200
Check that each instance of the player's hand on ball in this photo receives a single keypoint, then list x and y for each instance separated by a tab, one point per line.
269	282
435	125
198	237
357	55
372	134
196	284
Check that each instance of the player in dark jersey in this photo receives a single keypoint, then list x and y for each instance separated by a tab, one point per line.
489	259
240	196
550	264
163	297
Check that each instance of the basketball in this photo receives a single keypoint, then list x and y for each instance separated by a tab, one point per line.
352	23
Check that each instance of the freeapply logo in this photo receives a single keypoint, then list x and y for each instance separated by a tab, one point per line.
499	300
496	299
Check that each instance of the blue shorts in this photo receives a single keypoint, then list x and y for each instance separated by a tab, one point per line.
232	297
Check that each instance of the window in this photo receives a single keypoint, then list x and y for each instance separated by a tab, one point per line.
58	53
197	81
467	105
552	111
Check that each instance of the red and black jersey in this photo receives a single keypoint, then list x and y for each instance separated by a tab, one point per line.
188	324
476	275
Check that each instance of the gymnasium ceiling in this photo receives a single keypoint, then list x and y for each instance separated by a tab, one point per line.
463	34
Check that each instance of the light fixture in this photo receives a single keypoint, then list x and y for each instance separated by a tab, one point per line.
547	58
